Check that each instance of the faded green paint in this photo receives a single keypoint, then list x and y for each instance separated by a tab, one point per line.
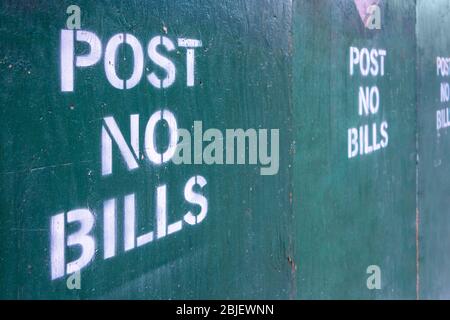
353	213
434	157
50	150
309	231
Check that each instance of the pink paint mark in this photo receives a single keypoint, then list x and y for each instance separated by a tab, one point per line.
362	6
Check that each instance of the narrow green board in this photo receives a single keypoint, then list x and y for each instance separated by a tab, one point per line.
433	61
354	203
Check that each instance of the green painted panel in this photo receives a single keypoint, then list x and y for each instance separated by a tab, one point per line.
354	209
51	149
433	45
342	197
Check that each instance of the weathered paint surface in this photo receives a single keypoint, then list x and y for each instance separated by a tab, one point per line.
310	231
433	41
354	212
51	150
